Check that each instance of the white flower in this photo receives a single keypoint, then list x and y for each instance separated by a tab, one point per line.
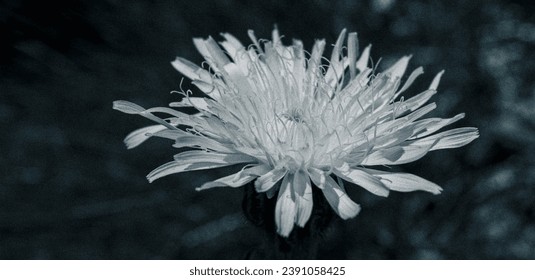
286	116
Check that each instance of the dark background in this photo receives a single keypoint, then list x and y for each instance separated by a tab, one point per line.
69	189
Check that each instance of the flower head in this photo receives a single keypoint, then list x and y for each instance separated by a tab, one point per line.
302	120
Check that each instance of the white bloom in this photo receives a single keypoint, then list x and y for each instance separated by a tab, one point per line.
286	116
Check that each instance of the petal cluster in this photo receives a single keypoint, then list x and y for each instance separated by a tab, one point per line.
296	120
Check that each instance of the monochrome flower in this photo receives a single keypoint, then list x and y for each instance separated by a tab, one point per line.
295	121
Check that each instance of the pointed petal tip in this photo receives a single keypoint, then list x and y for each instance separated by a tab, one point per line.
399	67
436	80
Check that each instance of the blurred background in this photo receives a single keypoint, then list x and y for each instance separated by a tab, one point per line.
69	189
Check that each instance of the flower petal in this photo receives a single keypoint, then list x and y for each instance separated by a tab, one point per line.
186	68
178	167
317	176
405	182
339	201
198	103
453	138
417	72
285	209
313	65
138	136
336	67
231	45
398	69
216	53
352	51
213	157
227	181
363	179
255	170
211	52
362	63
436	80
268	180
394	138
208	88
426	127
127	107
197	160
131	108
235	180
399	154
415	102
303	197
203	142
171	134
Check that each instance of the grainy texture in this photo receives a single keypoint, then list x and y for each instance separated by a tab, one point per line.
69	189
